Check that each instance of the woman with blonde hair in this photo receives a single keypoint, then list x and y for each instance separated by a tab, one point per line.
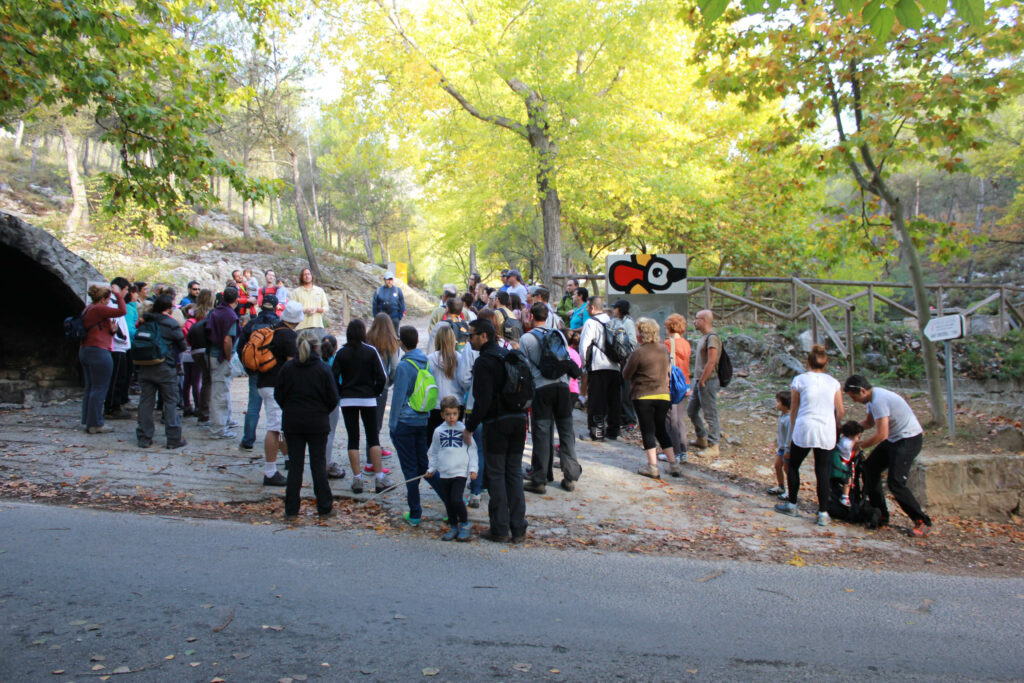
647	370
307	394
679	353
382	337
815	408
94	353
443	364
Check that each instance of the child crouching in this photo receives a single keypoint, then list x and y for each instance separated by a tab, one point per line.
449	457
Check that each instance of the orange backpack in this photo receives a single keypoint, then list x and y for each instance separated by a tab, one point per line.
256	355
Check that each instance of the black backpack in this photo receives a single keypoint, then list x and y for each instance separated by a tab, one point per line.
511	329
461	330
517	389
554	356
617	346
724	367
74	328
197	340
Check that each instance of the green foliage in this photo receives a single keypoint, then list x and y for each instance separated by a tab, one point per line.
993	357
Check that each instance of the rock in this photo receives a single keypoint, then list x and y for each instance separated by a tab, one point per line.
738	385
744	349
784	365
734	441
1009	439
4	187
805	340
989	325
874	361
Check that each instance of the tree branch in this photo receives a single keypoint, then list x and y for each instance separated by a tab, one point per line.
858	116
837	114
618	75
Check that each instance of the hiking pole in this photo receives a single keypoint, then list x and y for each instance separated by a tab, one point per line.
391	488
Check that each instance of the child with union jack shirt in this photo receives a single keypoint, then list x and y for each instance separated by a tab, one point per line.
449	459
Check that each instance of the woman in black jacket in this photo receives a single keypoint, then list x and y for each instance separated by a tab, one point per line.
307	394
362	379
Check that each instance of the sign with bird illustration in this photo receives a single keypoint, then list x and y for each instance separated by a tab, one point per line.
646	273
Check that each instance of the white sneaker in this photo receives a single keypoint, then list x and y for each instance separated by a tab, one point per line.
823	519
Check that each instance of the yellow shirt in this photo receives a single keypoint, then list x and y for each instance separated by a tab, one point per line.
314	297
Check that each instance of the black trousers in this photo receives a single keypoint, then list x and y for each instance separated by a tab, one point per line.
822	463
297	444
351	416
651	415
117	390
896	457
451	491
504	439
604	401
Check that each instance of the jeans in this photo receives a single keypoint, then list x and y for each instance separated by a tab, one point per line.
676	424
117	391
411	443
382	404
504	439
97	367
252	412
604	402
220	401
822	465
651	414
202	362
705	401
897	457
163	380
451	491
477	485
552	407
297	443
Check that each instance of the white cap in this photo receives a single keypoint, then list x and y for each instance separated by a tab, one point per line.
293	313
389	275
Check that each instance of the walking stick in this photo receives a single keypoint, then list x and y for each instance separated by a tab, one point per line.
391	488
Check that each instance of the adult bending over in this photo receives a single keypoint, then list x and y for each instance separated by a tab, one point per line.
816	406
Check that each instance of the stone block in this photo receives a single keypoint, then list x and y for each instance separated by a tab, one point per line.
1010	439
981	486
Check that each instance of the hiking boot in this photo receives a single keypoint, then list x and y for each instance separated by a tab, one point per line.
118	415
465	532
823	519
328	513
649	471
99	429
245	446
675	469
534	488
921	529
494	538
383	484
452	532
518	539
568	485
290	518
334	471
700	442
180	443
473	502
711	451
277	480
788	508
357	484
145	443
776	490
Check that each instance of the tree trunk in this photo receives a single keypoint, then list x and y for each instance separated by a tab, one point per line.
367	242
979	210
383	251
312	185
310	256
550	205
19	134
229	197
85	155
271	221
78	219
931	362
246	230
35	153
408	248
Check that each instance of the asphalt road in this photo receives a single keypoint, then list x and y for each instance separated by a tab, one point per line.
81	589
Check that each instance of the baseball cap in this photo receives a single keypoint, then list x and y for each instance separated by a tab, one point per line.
389	275
269	302
293	313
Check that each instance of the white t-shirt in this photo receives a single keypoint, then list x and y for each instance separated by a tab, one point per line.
815	425
903	423
846	449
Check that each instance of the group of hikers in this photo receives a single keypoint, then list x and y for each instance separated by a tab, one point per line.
498	361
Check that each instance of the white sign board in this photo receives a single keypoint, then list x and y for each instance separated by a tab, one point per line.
945	328
646	273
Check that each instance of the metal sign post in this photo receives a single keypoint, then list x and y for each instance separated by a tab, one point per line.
945	329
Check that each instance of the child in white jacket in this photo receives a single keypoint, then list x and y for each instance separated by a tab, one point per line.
448	458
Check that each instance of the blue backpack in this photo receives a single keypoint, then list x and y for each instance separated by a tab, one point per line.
677	385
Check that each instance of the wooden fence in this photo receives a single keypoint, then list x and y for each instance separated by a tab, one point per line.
817	302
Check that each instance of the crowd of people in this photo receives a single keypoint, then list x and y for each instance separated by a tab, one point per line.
498	361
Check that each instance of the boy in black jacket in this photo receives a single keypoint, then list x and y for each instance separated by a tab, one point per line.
504	434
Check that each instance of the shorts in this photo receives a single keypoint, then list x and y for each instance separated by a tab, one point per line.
271	409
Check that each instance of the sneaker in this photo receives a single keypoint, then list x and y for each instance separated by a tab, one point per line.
145	443
277	480
788	508
465	532
245	446
494	538
181	443
383	484
675	469
368	468
357	484
662	457
334	471
384	452
845	500
568	485
649	471
99	429
413	521
784	495
233	423
776	490
291	518
518	539
452	532
223	434
823	519
473	502
534	488
328	513
921	529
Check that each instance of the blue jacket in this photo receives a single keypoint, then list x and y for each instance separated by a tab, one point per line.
405	380
389	300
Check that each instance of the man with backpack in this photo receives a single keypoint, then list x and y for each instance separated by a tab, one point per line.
221	329
501	377
266	318
280	344
704	393
159	342
604	376
506	321
389	299
623	330
548	353
454	318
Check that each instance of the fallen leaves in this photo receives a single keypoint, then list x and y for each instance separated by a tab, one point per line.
797	561
431	671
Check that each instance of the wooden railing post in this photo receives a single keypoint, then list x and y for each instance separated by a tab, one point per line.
1003	327
814	324
792	298
707	294
850	365
940	309
871	304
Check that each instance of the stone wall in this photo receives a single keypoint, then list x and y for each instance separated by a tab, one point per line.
981	486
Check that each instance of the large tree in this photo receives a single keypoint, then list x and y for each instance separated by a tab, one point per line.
921	90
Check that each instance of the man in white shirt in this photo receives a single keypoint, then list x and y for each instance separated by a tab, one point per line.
604	403
897	439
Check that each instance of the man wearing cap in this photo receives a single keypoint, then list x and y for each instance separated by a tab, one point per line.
516	286
284	346
267	317
389	299
447	292
504	280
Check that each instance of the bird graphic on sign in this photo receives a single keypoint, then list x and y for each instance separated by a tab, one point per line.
644	274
